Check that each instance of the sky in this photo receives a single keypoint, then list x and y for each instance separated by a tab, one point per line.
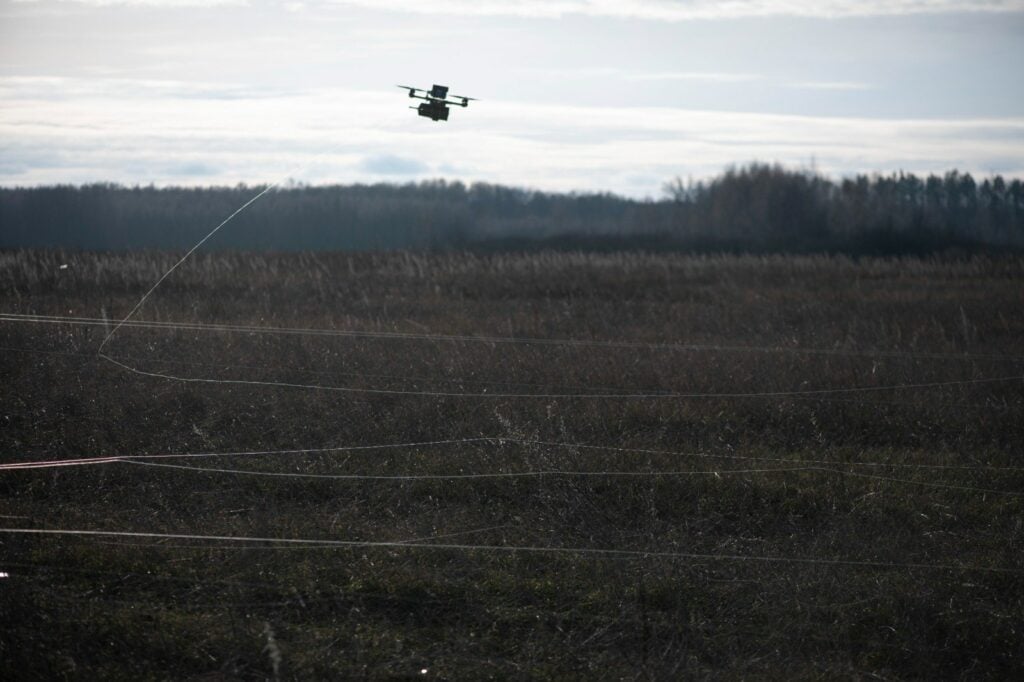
575	95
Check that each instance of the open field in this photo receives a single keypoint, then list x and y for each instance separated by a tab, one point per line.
616	466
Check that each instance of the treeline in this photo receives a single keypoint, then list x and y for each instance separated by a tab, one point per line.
428	215
764	207
757	208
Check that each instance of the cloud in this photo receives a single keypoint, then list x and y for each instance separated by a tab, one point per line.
389	164
61	88
830	85
105	133
147	3
665	10
599	72
680	10
191	169
700	76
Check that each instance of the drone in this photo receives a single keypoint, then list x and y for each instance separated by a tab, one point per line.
436	105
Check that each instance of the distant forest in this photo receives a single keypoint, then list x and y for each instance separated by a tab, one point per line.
757	208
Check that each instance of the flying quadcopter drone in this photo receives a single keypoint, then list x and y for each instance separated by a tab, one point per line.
436	105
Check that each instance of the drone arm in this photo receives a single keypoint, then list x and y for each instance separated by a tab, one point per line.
413	91
461	102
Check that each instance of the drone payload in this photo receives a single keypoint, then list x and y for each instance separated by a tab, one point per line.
435	106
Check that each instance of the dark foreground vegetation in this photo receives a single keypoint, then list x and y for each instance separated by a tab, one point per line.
756	209
834	490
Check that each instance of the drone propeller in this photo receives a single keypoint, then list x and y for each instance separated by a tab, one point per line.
465	100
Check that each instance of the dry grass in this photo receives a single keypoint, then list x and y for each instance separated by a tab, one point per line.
137	609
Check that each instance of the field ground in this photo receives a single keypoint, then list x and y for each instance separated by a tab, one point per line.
793	467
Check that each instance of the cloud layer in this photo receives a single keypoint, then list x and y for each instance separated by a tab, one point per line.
140	91
82	130
664	10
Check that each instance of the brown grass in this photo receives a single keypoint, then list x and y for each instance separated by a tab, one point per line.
129	608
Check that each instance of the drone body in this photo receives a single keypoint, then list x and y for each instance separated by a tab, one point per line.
435	106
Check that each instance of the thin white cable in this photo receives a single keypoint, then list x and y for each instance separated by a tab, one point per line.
264	547
507	395
787	460
498	440
447	477
630	345
494	382
566	396
45	464
99	351
572	474
584	551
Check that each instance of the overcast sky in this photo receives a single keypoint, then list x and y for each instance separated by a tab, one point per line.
588	95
